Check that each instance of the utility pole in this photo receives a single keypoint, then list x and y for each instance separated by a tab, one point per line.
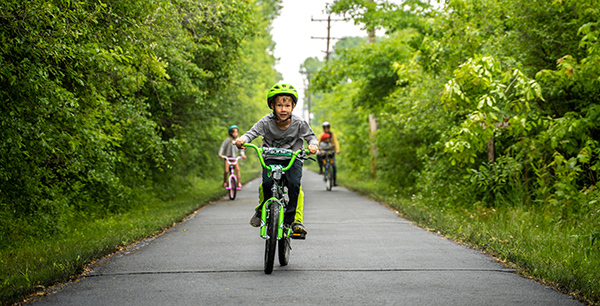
328	38
309	73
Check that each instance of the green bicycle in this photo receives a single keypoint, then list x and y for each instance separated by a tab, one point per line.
272	227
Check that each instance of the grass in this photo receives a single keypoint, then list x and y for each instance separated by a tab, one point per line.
562	253
34	265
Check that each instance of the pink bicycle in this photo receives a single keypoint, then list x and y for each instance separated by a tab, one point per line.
232	181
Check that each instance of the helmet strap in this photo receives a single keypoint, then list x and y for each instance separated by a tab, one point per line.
280	121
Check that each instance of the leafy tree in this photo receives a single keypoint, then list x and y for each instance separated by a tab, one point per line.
485	104
105	103
371	66
375	15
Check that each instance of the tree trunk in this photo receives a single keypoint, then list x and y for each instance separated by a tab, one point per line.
372	130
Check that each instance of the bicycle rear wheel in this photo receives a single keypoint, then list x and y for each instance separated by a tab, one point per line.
284	249
232	187
271	242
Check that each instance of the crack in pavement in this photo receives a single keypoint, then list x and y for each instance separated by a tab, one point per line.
303	270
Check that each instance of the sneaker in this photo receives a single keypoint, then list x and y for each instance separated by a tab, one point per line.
256	220
298	228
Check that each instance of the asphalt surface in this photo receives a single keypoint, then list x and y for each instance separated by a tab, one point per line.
357	252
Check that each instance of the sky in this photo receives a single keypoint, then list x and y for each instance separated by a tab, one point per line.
292	31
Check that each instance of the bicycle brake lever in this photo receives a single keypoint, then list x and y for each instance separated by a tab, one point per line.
304	156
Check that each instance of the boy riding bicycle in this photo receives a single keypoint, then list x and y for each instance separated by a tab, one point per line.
228	149
282	129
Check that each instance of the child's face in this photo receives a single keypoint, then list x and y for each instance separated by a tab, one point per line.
235	133
283	107
327	140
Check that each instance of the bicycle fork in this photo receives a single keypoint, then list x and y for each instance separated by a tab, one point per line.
277	199
266	209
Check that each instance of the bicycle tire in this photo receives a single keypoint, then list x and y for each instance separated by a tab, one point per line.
330	180
329	175
271	242
232	187
283	249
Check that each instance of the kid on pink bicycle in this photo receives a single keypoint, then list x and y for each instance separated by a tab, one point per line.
282	129
229	149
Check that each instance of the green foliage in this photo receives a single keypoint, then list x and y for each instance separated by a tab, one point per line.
383	14
107	105
410	120
370	66
490	100
311	65
521	78
348	126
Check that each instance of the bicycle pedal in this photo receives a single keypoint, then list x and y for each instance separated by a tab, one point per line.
298	236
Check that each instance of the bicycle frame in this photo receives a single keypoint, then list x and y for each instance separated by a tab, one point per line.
328	157
232	161
276	172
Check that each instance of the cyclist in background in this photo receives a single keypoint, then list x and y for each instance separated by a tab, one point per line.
282	129
326	147
334	142
229	149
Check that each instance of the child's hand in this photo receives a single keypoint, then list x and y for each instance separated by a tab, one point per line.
240	142
312	149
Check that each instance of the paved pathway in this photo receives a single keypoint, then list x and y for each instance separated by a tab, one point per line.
357	252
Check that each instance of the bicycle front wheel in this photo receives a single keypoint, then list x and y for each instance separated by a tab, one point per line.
232	187
329	181
271	242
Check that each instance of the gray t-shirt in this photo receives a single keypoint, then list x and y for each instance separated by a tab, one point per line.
273	136
325	146
228	148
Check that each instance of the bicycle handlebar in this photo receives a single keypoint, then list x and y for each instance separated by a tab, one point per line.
231	160
276	151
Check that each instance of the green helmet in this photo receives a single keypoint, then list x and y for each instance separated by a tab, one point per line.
282	89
